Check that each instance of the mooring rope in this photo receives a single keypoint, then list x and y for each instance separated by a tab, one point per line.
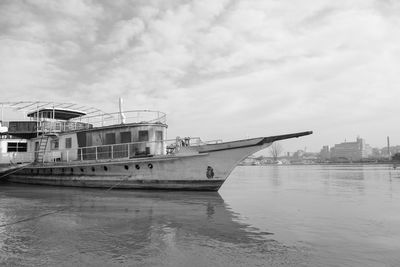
120	182
32	218
14	171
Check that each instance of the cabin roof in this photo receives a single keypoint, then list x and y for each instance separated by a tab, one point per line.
59	114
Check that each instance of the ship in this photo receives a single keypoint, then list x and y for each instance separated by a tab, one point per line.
65	144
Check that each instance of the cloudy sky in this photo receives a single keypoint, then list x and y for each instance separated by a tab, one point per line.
219	69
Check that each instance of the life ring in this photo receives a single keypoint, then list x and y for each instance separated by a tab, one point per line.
150	165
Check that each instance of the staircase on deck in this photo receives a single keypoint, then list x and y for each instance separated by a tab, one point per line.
42	149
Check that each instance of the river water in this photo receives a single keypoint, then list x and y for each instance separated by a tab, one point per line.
328	215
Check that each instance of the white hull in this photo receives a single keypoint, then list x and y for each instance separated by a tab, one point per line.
203	167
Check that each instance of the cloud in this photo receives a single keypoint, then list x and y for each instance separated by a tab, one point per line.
77	9
123	32
239	67
26	67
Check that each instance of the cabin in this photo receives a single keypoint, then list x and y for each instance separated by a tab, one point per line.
68	135
14	150
63	132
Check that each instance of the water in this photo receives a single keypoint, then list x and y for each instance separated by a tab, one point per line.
262	216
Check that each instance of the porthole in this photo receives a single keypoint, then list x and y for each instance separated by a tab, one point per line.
126	167
72	170
105	168
82	170
93	169
62	169
137	166
150	165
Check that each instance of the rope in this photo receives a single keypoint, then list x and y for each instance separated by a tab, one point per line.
14	171
31	218
120	182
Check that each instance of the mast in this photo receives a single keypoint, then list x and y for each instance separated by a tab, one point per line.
121	114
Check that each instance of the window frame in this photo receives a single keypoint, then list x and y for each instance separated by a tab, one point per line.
123	135
106	141
17	147
68	142
55	144
140	137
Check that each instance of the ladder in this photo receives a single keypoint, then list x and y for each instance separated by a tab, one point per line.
42	148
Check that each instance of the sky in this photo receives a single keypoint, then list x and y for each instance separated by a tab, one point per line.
219	69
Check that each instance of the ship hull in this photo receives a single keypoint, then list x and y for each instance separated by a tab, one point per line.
205	171
203	168
184	185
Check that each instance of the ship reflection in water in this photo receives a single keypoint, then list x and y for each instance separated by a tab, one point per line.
90	227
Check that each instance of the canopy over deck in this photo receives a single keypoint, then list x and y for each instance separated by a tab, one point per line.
65	110
58	114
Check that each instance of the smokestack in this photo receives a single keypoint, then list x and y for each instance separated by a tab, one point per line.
388	147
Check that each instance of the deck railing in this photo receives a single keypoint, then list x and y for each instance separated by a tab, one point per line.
136	149
62	126
121	151
132	116
48	125
116	151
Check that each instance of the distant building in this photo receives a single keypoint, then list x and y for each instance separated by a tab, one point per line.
352	151
325	153
298	154
393	150
376	153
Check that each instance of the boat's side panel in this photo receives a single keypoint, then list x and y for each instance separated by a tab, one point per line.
205	171
223	161
188	173
124	183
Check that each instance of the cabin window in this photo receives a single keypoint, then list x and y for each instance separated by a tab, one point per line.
22	147
17	147
68	142
110	138
47	114
126	137
159	135
54	144
143	136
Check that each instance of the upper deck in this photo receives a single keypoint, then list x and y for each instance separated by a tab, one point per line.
53	118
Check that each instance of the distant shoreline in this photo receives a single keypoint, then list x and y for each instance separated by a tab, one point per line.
327	163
